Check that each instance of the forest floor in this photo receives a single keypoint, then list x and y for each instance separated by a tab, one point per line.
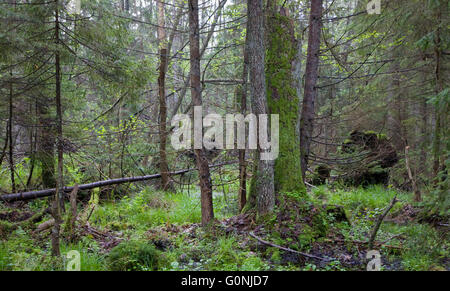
152	230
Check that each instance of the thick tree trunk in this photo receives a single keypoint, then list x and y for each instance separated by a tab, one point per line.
162	42
312	70
262	192
196	95
45	147
282	98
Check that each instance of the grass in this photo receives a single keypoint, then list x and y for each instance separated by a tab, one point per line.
149	208
373	197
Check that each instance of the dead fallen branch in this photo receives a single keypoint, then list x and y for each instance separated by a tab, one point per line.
45	225
360	242
49	192
310	185
288	249
379	221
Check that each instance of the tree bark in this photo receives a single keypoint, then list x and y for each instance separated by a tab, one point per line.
56	209
163	53
282	98
196	95
262	192
242	195
438	89
312	70
11	144
5	146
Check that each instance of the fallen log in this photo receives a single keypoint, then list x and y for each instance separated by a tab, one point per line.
22	196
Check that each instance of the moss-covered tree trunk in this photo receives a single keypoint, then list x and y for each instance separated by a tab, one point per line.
282	97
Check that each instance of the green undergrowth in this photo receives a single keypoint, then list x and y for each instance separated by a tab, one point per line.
160	231
134	215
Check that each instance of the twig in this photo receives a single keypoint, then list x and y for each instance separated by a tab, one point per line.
288	249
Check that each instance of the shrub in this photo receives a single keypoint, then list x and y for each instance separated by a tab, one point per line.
133	256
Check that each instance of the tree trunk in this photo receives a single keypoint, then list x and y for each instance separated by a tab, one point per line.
438	89
242	195
11	143
5	146
262	192
45	147
196	94
33	141
56	209
312	70
162	42
282	98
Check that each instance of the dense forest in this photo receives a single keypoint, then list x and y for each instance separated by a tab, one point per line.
235	135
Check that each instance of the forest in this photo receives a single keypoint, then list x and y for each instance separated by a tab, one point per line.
224	135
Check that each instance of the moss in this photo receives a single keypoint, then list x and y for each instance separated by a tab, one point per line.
47	162
369	132
134	256
283	100
6	228
382	136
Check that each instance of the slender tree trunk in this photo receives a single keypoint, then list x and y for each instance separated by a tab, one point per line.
162	42
196	94
5	146
262	192
33	141
312	70
242	195
438	89
202	51
56	211
11	144
423	112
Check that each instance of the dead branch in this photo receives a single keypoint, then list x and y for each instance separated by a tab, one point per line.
417	196
360	242
288	249
45	225
379	221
